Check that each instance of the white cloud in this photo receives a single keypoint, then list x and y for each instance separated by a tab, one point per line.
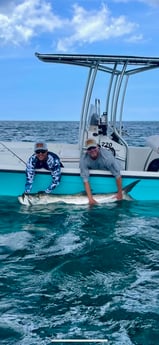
22	20
135	38
93	26
26	20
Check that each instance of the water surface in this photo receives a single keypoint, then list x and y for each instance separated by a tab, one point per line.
70	272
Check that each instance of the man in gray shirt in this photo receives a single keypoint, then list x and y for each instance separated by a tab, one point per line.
99	158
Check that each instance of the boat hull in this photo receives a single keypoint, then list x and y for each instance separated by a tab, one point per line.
13	182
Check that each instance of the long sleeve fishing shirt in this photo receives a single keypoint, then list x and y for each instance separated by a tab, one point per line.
52	163
104	161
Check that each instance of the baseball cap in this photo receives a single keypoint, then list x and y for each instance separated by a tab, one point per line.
90	143
40	145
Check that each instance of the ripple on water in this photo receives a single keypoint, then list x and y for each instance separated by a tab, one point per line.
71	272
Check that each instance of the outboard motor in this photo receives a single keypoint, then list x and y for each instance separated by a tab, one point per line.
103	124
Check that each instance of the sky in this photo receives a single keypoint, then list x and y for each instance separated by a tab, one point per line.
36	91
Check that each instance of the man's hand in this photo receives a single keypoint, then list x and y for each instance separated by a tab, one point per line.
25	193
92	202
119	196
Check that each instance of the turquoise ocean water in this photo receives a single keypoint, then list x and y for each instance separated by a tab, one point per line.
69	272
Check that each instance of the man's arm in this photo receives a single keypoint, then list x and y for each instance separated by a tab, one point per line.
114	167
30	173
84	171
92	201
119	186
55	168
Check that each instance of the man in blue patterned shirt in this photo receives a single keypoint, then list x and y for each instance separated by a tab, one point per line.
42	158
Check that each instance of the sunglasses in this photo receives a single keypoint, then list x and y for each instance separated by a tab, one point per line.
40	151
92	148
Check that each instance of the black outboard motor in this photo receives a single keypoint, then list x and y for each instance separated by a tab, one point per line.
103	124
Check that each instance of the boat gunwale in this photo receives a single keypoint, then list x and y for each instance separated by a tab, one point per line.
93	173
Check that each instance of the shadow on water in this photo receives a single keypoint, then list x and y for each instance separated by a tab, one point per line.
79	272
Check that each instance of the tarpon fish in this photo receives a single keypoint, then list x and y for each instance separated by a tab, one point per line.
76	199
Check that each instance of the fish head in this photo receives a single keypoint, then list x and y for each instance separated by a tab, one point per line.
30	199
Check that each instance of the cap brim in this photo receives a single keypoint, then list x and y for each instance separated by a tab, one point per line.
91	147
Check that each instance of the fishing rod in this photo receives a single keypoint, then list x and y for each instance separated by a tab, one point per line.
14	154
